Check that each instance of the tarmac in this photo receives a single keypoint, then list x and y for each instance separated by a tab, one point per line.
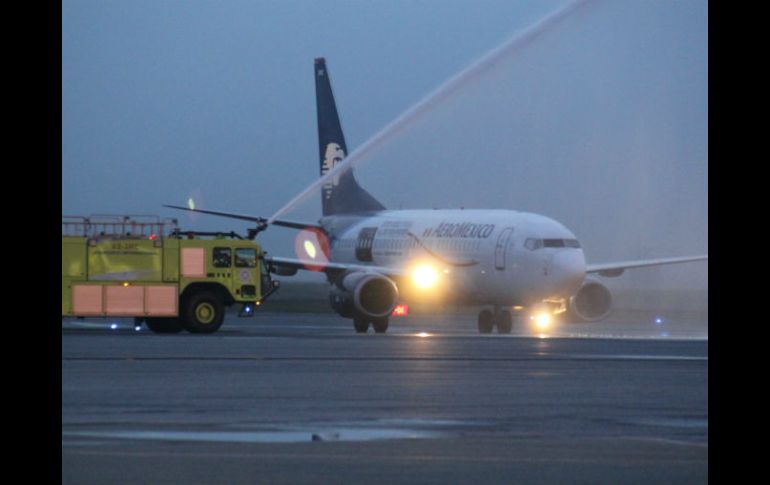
300	398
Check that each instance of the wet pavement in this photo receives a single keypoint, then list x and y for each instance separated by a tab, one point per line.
300	398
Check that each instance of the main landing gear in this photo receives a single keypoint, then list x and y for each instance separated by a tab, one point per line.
501	319
361	324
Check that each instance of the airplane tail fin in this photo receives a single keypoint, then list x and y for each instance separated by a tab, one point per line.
342	195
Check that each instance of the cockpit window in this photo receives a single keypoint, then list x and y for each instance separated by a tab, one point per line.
533	244
553	243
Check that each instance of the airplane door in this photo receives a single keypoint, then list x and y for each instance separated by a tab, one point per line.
365	243
502	248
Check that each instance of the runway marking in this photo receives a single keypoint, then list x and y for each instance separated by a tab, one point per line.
640	357
665	441
548	357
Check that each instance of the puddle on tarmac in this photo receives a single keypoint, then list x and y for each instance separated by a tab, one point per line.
335	434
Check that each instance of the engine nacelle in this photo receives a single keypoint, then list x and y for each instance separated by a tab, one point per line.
591	303
369	294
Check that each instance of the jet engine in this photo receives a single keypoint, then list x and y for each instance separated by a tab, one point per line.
369	294
591	303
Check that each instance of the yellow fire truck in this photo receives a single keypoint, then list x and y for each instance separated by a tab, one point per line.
147	268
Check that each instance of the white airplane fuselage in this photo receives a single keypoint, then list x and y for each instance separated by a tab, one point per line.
488	256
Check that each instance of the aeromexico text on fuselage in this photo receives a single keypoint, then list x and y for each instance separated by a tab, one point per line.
461	229
428	227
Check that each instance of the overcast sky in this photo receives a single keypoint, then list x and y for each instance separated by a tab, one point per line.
602	124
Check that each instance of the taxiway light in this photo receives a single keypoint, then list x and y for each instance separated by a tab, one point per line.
309	248
542	321
424	276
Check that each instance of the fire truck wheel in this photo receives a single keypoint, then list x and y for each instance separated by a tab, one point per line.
164	325
203	313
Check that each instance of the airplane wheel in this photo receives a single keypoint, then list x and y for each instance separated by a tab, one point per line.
486	321
380	325
504	322
360	324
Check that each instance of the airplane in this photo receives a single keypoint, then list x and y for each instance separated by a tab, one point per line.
374	258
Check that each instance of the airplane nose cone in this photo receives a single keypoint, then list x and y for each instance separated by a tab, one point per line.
568	269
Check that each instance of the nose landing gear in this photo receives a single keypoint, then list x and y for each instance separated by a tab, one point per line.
501	319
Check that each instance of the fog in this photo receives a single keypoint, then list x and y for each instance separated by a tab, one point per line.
600	123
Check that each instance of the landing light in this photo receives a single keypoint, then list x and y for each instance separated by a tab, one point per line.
425	276
423	334
542	321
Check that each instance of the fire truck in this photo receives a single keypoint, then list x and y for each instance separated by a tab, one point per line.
147	268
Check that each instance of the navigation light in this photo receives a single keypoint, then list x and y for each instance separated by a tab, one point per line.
401	310
310	248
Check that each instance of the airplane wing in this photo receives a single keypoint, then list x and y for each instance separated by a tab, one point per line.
616	269
261	221
329	266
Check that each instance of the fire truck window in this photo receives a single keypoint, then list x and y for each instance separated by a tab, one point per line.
222	257
245	258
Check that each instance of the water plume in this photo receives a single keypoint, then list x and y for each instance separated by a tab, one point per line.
440	95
